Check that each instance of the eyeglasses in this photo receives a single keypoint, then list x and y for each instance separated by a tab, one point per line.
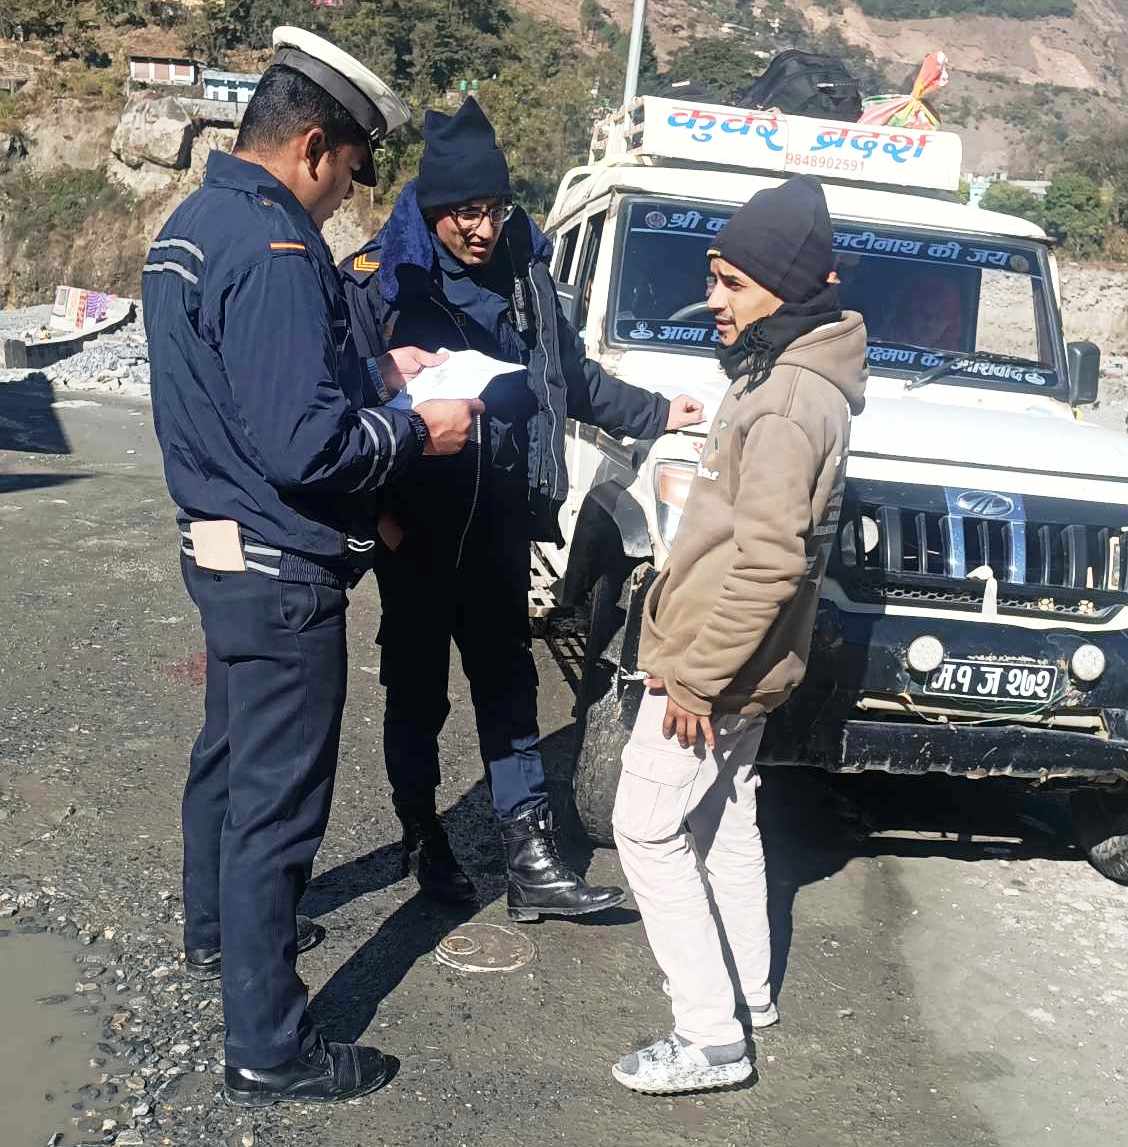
471	217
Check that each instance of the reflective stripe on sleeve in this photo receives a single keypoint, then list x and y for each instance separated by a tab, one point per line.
183	272
180	244
383	456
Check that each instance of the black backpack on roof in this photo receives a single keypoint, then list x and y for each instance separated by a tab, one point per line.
803	83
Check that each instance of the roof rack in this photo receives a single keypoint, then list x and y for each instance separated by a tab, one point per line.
652	129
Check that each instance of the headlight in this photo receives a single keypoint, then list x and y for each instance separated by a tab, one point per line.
925	654
1087	663
671	488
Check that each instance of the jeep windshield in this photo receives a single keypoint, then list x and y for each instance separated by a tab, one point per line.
980	305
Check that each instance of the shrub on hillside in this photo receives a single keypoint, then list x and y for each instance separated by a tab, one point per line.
1103	157
926	9
1074	213
36	206
1012	200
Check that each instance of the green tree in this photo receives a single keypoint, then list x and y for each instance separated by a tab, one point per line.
592	19
219	26
38	19
722	67
1012	200
1074	213
1104	159
541	106
119	13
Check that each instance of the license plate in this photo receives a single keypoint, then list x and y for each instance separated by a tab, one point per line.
987	681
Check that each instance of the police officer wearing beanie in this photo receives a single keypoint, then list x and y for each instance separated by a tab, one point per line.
458	265
275	448
727	630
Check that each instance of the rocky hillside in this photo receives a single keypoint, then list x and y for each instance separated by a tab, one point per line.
1087	51
79	167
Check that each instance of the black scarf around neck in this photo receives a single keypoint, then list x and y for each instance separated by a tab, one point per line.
762	342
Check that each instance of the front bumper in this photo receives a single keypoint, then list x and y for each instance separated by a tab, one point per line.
858	667
974	751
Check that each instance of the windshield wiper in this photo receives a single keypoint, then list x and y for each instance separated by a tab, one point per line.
951	363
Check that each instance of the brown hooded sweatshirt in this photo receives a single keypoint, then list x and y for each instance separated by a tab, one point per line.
728	622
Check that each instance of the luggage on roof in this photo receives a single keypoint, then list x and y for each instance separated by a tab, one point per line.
804	83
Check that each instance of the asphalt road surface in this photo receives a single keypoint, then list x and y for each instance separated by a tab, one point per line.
950	972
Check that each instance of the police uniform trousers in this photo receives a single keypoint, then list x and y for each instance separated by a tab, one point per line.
461	572
259	790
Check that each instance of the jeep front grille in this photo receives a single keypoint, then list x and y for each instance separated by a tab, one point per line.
928	555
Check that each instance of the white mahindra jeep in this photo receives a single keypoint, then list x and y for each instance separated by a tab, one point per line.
974	619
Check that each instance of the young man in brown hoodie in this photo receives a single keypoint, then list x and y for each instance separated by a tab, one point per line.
727	631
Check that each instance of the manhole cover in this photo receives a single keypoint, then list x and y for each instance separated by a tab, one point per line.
478	947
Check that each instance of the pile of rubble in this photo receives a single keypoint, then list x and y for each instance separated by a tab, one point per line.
117	363
113	363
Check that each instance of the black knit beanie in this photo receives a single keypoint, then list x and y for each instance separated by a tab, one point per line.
461	160
782	239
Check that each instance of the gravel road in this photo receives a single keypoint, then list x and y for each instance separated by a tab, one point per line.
951	973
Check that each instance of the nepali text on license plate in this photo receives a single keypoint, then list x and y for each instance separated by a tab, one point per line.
981	679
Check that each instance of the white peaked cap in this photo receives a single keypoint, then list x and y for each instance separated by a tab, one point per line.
374	106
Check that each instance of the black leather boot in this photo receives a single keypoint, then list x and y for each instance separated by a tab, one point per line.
540	883
426	848
324	1073
207	963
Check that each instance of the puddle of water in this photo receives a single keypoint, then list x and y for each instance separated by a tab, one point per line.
45	1048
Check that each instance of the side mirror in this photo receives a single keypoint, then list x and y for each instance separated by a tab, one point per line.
1084	372
567	297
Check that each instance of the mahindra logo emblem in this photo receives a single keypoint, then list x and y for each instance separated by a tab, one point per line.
985	503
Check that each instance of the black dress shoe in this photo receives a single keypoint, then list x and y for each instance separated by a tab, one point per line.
207	963
326	1073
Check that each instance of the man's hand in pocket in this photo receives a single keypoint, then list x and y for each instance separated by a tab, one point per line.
682	722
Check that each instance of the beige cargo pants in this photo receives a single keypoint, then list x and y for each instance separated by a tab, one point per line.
685	826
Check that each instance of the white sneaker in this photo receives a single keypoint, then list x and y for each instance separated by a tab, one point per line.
672	1065
762	1017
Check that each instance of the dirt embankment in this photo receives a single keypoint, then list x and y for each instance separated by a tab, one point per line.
81	209
1095	306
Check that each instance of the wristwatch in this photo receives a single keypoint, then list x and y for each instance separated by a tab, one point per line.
419	427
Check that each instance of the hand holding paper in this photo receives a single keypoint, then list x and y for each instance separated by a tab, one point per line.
461	374
448	422
402	364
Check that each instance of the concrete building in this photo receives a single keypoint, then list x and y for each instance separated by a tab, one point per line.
229	87
160	59
179	72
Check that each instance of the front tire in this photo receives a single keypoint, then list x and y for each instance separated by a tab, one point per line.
1100	823
600	732
606	614
602	737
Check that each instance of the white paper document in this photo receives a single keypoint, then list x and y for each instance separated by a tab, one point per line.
464	374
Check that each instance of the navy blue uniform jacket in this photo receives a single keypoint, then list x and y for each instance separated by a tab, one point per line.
266	412
403	288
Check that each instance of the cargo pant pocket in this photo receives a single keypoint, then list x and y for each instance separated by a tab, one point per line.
655	789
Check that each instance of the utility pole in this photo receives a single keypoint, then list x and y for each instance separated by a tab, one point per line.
634	56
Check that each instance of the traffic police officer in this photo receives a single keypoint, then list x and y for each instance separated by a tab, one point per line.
275	445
